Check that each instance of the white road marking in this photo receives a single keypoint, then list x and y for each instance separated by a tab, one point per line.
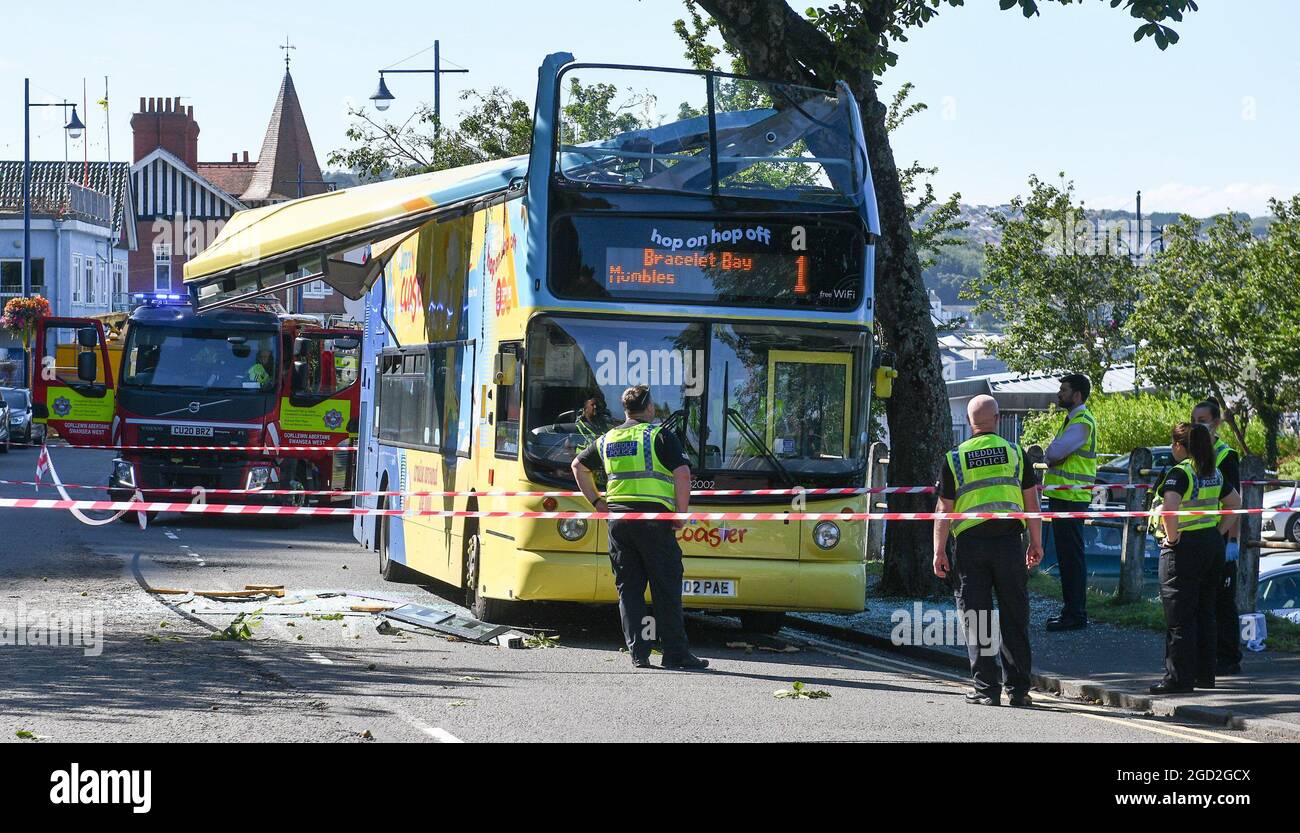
440	735
1186	733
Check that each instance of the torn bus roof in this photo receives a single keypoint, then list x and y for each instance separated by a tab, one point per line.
263	248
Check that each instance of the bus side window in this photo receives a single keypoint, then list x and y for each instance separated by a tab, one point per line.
506	418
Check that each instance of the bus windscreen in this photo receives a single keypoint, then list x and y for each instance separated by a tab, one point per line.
816	264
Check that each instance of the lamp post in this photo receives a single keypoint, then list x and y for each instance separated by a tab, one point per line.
74	128
383	99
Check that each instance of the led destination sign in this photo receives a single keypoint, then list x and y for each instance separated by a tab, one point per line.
816	263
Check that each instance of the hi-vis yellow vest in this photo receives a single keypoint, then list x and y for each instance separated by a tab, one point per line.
634	472
1221	452
1201	493
1080	468
987	470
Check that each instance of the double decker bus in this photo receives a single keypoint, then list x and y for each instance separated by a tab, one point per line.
709	236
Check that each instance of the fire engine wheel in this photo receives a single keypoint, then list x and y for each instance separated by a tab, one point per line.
388	568
295	483
764	622
496	611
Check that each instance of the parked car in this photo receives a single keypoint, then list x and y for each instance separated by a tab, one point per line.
1101	549
4	426
1282	514
1279	586
22	427
1116	471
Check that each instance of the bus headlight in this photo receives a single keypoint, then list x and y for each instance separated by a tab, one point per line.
571	529
826	534
124	473
258	477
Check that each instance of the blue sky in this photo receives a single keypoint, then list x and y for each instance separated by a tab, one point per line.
1209	124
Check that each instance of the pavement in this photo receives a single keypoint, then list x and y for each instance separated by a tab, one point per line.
313	670
1105	664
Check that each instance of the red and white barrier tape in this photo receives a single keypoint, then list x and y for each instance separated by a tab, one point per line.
267	448
242	509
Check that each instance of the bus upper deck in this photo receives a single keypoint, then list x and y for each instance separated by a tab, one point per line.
723	257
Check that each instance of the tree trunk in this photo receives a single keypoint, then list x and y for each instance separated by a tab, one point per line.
1272	421
776	42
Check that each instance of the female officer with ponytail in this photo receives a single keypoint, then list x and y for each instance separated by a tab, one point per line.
1191	558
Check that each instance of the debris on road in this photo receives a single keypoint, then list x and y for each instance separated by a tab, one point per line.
798	691
240	628
447	623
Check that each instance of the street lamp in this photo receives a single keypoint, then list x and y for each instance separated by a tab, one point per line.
383	99
74	129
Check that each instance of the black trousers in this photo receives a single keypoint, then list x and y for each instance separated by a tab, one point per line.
1067	534
1190	573
985	566
641	553
1226	617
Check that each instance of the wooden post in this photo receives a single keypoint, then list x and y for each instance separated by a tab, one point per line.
1252	497
1133	540
877	476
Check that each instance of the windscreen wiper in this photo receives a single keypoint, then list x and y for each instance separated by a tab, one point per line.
752	436
670	424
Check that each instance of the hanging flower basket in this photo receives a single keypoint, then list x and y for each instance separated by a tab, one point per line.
21	316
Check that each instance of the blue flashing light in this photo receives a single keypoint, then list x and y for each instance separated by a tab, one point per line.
160	299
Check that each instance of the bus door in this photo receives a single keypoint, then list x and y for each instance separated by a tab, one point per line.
72	380
320	405
808	404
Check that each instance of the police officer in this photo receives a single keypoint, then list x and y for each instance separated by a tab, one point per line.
1191	559
988	474
647	471
1072	461
1228	662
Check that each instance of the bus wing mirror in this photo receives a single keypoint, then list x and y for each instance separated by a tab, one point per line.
504	367
300	346
87	337
87	365
347	343
884	375
299	375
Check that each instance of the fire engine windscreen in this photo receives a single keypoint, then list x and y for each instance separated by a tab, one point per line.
175	357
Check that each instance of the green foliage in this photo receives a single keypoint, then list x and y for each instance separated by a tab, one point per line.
590	113
1219	314
240	628
1128	421
495	126
1063	293
800	691
870	28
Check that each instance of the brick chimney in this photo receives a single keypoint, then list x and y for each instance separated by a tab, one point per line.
165	123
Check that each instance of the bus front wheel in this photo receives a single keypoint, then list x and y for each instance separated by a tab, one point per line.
764	622
495	611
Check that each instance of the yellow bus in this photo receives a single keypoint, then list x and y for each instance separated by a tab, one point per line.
706	234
